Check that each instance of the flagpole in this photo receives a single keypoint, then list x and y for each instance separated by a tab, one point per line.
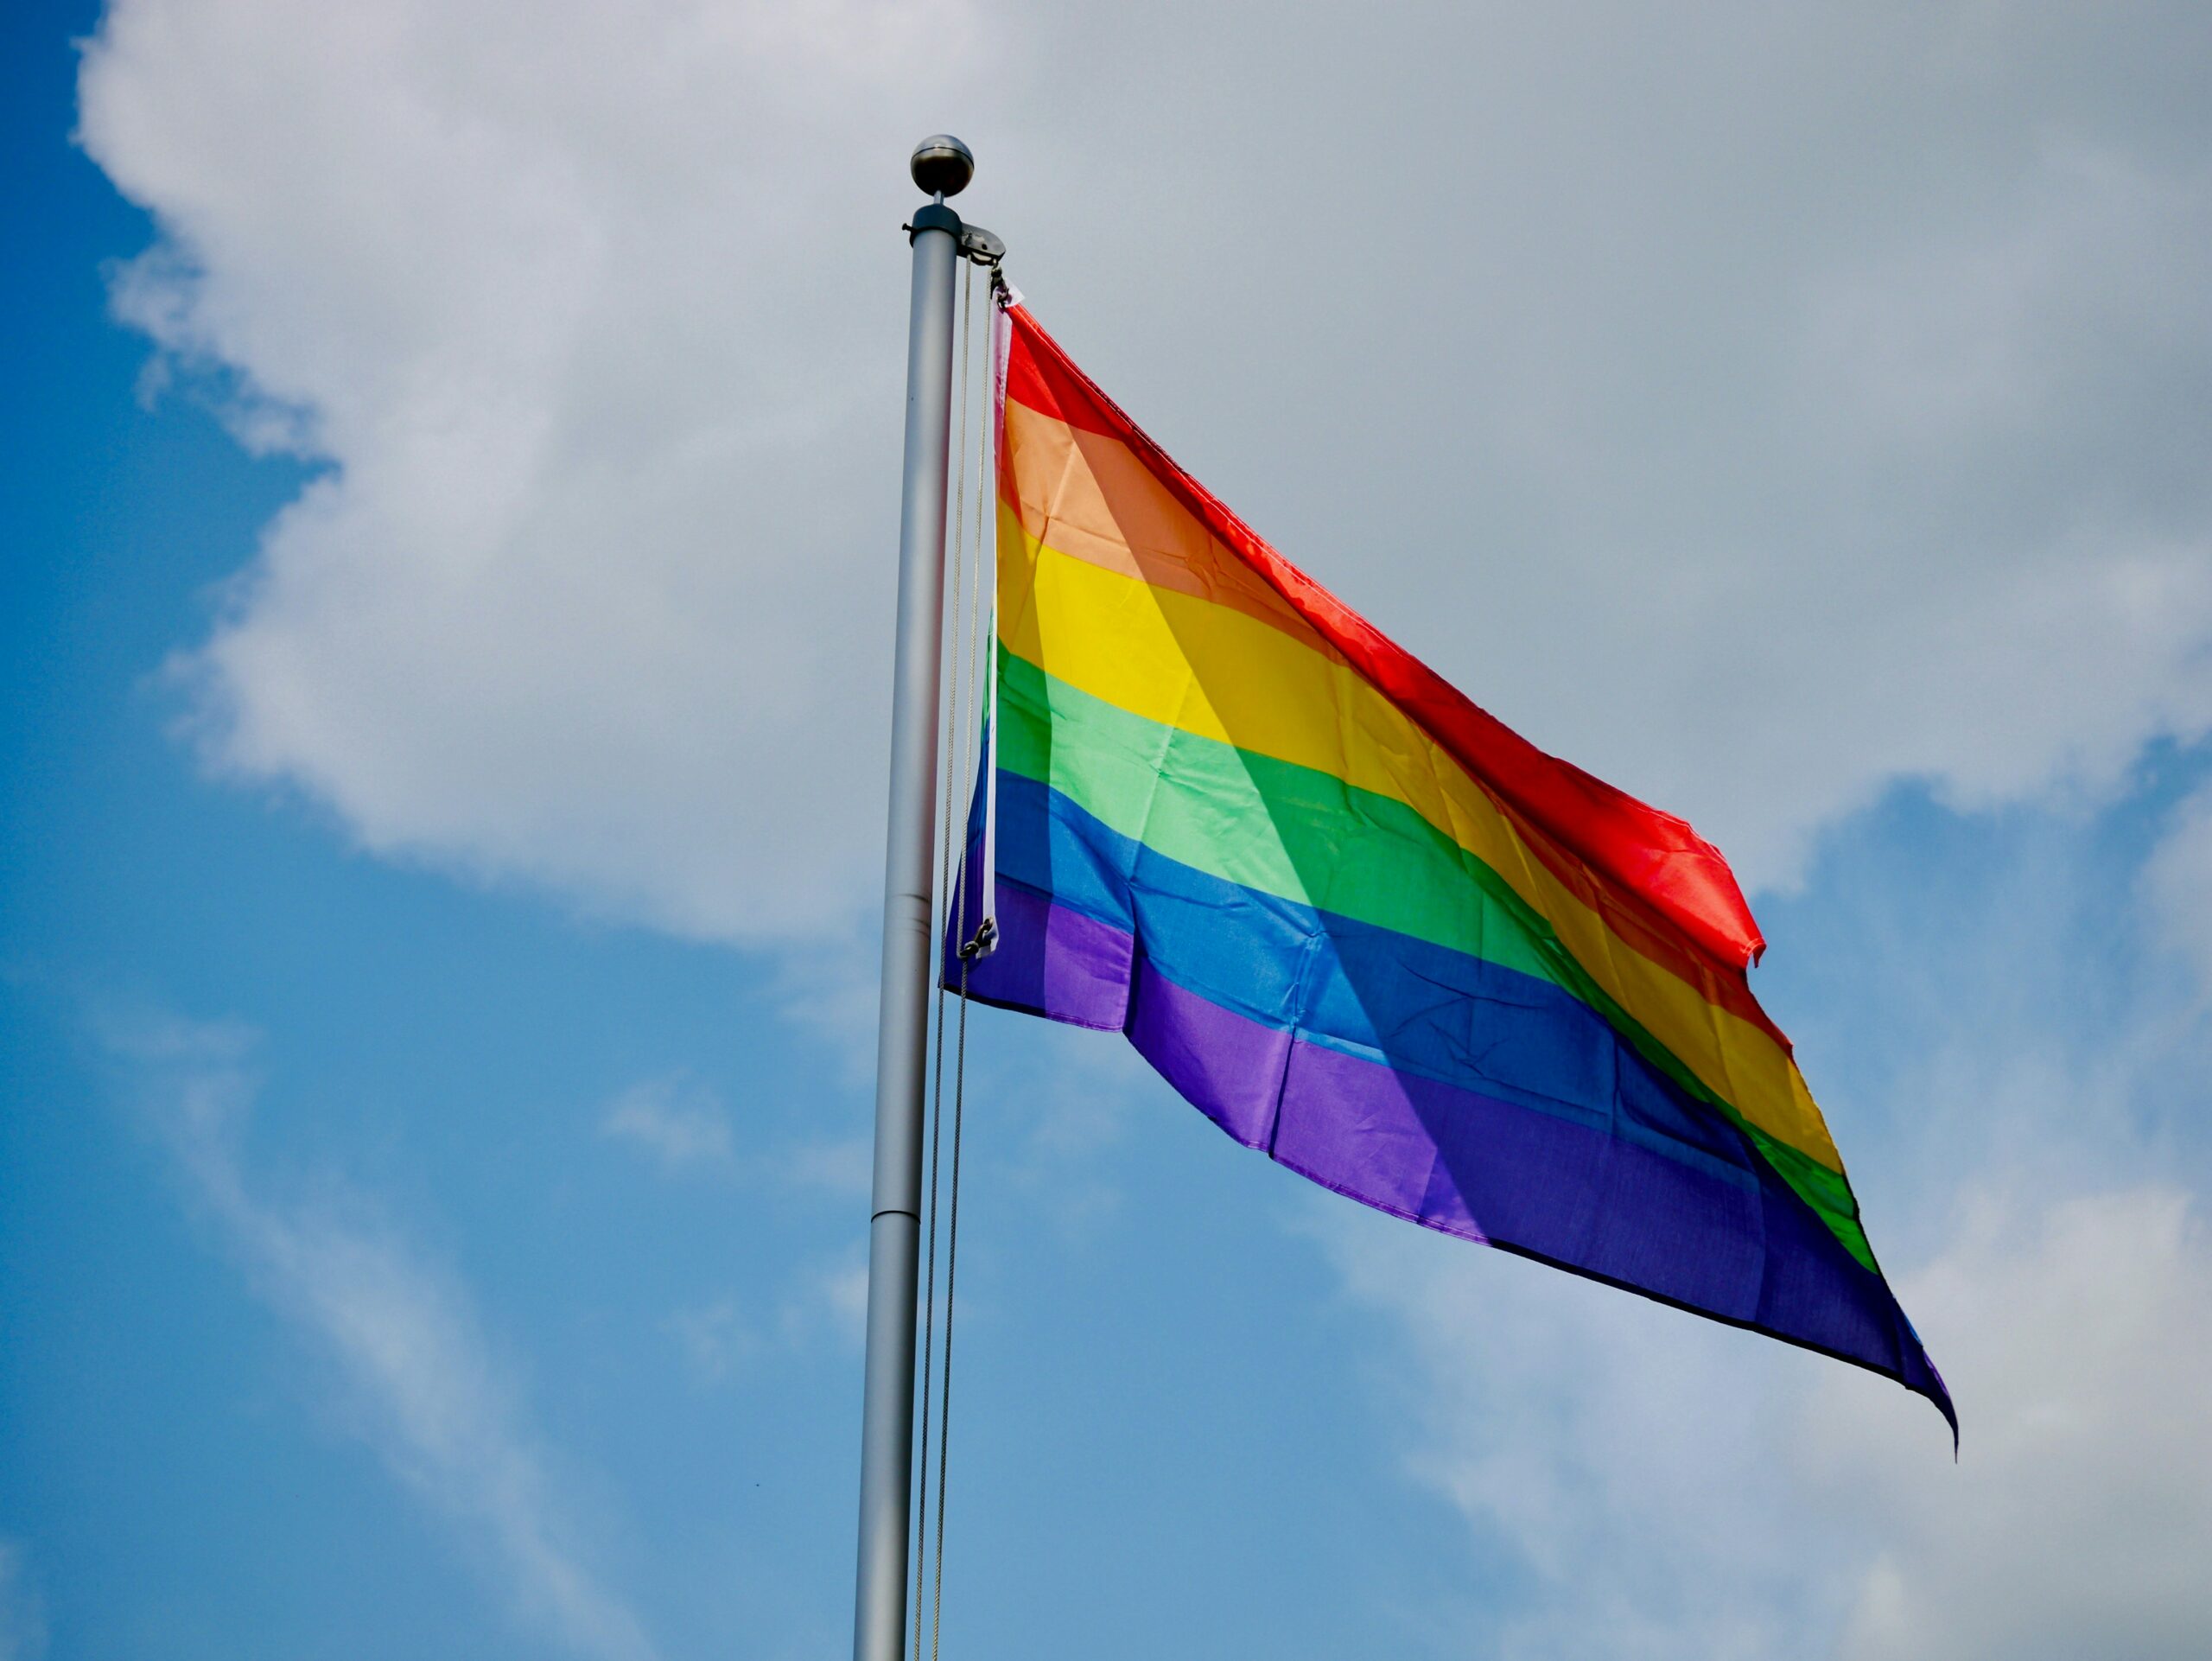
941	165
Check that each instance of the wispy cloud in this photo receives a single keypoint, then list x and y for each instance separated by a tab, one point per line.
22	1612
2080	1520
714	1337
842	1166
682	1125
2178	884
416	1371
679	1121
826	1301
842	1291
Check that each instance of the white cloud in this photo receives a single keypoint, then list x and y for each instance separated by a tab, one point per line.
680	1121
1749	446
714	1338
843	1293
824	1300
844	1166
1618	1452
684	1126
1678	1489
2178	884
2079	1519
22	1612
576	305
418	1373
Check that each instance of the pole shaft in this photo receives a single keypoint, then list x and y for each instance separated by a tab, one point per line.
909	954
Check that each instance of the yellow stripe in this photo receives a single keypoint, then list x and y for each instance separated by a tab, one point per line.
1221	673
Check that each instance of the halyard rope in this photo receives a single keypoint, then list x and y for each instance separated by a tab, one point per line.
961	711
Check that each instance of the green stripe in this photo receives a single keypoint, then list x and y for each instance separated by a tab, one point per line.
1310	837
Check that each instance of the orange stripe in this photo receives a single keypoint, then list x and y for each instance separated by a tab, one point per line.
1091	497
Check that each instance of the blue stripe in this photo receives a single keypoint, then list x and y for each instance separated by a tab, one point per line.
1384	997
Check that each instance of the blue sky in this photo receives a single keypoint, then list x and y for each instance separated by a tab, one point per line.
450	480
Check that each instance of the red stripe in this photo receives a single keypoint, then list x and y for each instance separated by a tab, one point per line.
1643	859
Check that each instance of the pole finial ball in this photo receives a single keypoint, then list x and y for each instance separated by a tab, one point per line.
943	163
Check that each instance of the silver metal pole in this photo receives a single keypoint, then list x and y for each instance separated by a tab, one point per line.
942	167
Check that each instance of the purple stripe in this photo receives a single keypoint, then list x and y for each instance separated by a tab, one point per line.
1457	1160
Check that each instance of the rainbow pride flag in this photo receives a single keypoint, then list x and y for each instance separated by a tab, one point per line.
1364	927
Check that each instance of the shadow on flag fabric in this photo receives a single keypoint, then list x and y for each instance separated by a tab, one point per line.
1367	929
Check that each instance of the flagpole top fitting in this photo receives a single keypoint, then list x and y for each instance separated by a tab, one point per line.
942	166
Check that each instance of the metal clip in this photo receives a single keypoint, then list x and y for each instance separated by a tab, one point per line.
985	943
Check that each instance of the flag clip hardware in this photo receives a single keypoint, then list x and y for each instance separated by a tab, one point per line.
986	941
